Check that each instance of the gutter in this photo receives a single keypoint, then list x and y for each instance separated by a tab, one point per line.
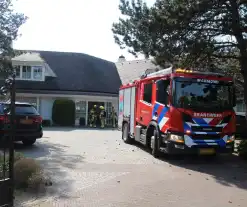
88	93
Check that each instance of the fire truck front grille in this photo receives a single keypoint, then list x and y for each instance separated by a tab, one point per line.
206	129
205	136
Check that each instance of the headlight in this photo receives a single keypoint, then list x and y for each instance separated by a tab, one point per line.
231	138
176	138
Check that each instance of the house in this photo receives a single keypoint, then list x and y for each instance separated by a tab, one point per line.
131	70
44	76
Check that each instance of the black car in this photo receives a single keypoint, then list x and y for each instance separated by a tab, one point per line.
241	126
28	122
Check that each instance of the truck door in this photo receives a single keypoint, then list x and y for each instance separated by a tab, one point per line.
162	103
162	91
145	103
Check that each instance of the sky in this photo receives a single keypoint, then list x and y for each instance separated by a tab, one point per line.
71	26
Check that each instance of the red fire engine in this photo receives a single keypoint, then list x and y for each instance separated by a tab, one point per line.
179	111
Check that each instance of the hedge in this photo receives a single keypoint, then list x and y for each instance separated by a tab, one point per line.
63	112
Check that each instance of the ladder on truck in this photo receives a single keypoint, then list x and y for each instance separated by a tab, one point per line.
157	72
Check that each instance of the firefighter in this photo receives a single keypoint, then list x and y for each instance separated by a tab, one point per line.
102	116
93	117
113	117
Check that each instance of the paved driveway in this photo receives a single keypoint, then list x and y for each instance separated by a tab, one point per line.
95	168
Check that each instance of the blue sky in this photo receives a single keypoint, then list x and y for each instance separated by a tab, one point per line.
71	26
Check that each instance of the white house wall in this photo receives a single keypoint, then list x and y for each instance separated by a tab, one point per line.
45	101
45	109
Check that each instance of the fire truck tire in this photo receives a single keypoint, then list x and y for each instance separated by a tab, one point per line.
154	145
125	134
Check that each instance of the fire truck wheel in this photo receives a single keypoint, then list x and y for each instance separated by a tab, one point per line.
125	134
154	145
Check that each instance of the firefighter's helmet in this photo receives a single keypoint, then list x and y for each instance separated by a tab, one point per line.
95	106
102	107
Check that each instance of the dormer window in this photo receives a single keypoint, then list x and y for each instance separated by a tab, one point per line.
18	72
37	72
25	72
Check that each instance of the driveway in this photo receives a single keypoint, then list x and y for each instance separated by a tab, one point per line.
95	168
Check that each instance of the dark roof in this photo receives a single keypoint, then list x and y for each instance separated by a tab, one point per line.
76	72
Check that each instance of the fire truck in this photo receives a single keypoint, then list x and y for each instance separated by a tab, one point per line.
179	111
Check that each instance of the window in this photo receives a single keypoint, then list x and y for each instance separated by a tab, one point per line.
108	113
80	112
21	109
191	93
162	91
147	96
31	100
37	72
26	72
240	107
18	72
29	72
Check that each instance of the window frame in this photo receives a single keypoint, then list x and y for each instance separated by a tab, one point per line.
33	68
26	67
17	68
157	91
240	106
151	95
33	72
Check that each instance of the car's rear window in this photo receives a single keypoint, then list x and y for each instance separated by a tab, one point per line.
21	109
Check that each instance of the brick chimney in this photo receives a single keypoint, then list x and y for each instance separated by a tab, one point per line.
121	58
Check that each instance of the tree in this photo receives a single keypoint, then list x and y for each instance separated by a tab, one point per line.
10	22
190	33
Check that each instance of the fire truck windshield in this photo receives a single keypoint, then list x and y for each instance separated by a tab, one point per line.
203	94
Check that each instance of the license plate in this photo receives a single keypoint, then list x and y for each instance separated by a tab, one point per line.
26	121
209	151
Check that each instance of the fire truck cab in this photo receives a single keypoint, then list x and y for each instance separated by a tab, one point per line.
179	111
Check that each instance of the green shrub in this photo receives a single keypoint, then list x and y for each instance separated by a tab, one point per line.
242	149
63	112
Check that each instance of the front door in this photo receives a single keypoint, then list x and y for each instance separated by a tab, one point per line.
80	112
91	104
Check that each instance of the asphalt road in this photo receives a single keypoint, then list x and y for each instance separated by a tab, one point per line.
95	168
